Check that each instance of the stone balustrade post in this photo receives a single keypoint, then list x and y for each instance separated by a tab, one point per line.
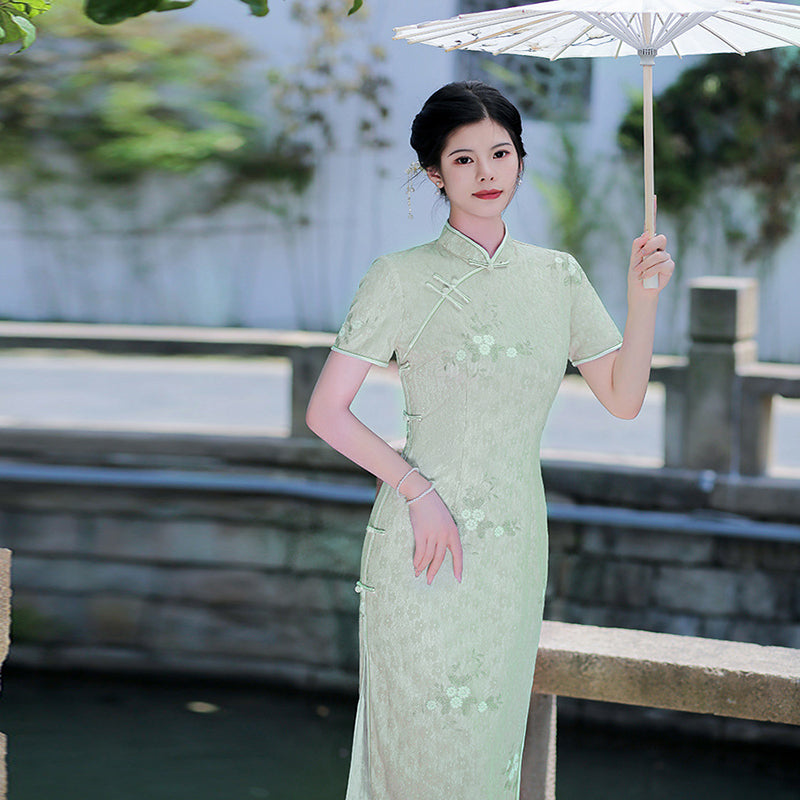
307	363
723	325
5	626
538	770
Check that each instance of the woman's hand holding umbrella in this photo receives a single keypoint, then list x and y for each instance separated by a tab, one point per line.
649	259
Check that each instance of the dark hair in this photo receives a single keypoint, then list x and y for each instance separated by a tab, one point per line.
458	104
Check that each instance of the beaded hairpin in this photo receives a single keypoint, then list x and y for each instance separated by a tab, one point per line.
413	170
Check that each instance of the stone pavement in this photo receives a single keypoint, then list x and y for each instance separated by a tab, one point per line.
251	395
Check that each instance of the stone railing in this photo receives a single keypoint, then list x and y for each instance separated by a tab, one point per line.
305	350
718	399
682	673
5	623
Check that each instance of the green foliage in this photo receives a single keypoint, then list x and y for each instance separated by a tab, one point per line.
577	203
16	15
93	113
97	106
110	12
729	121
333	72
15	21
112	135
258	8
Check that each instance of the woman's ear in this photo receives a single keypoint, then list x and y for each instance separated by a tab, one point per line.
435	176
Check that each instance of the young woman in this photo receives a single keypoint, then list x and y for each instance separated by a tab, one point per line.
481	326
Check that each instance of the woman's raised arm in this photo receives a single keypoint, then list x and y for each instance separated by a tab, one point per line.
619	379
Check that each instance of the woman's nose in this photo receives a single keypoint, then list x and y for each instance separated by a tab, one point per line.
486	173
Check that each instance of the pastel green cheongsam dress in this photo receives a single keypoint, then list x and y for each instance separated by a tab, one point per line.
446	670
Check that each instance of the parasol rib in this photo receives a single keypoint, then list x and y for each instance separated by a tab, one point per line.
444	30
524	39
791	12
761	17
675	27
721	38
611	27
538	33
446	26
761	31
524	27
751	15
569	44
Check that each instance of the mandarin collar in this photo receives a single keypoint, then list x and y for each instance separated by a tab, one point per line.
456	243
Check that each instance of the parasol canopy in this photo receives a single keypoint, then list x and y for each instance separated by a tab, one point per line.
592	28
616	28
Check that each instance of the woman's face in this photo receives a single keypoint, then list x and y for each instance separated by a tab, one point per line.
478	170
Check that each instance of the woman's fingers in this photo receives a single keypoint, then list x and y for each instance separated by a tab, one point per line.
653	260
430	555
438	557
435	532
424	554
657	242
458	556
645	245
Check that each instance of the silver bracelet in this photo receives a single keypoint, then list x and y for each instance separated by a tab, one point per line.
420	496
397	488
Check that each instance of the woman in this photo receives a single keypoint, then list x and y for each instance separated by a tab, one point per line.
481	326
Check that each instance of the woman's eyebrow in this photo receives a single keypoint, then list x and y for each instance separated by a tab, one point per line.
468	150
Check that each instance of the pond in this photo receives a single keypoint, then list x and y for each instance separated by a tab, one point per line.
94	738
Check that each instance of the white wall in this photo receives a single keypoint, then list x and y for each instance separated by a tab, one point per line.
246	268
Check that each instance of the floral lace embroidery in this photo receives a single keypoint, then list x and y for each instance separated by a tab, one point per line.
458	694
479	343
475	519
349	326
511	770
572	272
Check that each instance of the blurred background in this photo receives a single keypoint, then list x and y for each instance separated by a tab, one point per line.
187	202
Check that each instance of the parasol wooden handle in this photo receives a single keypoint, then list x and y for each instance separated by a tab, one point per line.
649	170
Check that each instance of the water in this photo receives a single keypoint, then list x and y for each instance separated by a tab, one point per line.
89	738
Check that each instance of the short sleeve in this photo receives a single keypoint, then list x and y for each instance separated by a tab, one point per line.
372	324
592	331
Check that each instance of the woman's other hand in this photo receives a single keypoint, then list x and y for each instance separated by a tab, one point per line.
649	257
435	532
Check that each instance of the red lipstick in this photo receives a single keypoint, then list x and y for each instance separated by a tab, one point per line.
488	194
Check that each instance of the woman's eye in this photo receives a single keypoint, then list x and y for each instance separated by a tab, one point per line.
501	153
463	160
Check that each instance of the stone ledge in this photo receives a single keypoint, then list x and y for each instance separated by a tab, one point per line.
766	378
5	622
659	670
5	602
672	489
158	339
664	488
141	662
85	445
